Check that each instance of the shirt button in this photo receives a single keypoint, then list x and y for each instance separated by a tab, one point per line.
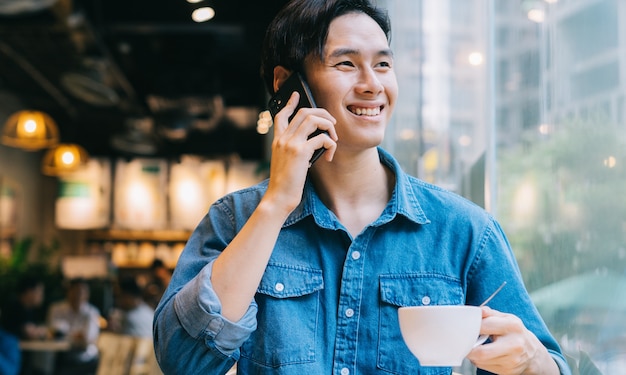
349	314
279	287
345	371
356	255
426	300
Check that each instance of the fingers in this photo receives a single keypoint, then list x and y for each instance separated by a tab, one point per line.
513	348
294	138
292	149
281	119
496	323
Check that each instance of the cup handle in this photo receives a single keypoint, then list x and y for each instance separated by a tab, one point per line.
481	340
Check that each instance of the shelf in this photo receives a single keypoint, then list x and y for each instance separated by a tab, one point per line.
139	235
7	234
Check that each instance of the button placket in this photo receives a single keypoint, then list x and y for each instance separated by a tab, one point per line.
349	303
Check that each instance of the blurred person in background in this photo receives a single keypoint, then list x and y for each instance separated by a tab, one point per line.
78	321
159	280
133	316
26	318
10	355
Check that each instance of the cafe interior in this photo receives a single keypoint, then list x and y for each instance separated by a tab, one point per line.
124	88
117	118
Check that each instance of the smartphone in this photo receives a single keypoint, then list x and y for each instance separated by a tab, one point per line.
296	82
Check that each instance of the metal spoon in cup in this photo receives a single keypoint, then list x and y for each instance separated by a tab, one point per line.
493	294
482	338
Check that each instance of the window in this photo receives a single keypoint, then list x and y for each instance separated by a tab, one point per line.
550	93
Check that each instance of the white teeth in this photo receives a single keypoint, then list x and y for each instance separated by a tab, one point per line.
366	111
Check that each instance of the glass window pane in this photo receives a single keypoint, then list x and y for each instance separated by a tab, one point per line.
545	81
561	177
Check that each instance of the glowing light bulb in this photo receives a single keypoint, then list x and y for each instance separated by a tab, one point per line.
67	157
203	14
475	58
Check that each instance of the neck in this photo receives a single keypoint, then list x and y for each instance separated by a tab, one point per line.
355	188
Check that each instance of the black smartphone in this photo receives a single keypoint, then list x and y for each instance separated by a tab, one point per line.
296	82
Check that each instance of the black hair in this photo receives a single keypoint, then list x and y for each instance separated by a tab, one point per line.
301	28
157	263
77	281
27	283
130	286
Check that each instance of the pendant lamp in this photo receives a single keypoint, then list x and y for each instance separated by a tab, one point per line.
30	130
63	158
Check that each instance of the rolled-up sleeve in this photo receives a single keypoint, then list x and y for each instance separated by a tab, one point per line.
199	311
190	334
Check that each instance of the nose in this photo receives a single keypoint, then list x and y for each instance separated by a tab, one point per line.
369	82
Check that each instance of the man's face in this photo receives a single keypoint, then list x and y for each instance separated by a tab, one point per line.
78	294
33	297
355	80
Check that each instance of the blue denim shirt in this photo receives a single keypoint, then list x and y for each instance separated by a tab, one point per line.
328	303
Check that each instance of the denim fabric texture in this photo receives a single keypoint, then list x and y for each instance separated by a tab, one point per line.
328	303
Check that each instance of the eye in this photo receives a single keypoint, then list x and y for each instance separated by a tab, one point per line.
345	63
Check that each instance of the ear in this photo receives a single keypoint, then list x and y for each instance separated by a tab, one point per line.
280	75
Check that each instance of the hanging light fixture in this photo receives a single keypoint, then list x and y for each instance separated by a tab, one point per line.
63	158
30	130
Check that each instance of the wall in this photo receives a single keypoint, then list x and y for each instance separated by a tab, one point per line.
35	195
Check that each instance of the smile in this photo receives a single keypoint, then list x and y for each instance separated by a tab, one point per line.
365	111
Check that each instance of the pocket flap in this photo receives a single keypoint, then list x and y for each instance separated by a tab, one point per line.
284	281
420	289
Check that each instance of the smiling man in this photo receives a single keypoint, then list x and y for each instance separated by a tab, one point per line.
305	272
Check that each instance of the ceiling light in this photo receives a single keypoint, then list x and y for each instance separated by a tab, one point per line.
203	14
30	130
63	158
536	15
535	10
475	58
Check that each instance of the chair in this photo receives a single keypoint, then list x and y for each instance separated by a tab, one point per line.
116	353
144	360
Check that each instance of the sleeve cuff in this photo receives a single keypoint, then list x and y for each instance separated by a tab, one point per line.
561	363
199	310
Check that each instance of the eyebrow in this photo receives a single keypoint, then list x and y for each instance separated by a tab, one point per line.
350	51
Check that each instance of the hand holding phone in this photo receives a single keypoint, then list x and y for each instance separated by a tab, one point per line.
295	82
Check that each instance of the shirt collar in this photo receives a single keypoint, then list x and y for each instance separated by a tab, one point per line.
403	201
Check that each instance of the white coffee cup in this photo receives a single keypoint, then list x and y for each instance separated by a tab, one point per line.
441	335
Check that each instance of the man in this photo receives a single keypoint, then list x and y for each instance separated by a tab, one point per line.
25	318
78	321
10	354
135	316
304	273
159	280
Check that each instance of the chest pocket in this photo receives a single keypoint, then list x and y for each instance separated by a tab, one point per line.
288	300
410	290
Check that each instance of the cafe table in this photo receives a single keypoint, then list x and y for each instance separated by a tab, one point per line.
41	355
45	345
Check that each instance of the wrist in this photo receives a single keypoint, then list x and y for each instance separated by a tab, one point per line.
544	366
276	206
